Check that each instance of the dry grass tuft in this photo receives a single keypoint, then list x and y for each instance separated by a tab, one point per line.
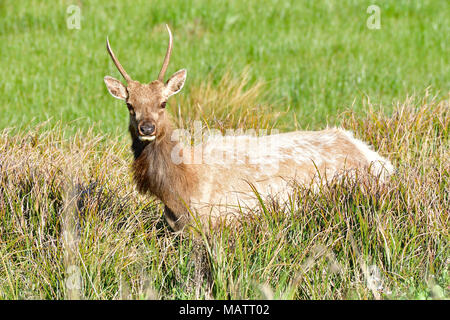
232	103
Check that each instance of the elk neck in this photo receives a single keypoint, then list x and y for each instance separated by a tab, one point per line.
156	173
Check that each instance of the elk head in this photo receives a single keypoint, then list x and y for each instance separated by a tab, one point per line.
146	102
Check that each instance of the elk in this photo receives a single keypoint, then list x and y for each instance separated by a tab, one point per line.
217	191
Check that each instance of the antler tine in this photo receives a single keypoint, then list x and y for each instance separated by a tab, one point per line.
116	62
167	57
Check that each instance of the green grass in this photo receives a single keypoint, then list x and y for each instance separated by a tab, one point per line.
72	224
316	57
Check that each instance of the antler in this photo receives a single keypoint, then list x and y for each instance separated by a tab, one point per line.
166	58
116	62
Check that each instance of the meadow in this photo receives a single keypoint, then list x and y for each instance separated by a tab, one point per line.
72	224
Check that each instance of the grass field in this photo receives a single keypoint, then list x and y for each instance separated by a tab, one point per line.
72	224
316	57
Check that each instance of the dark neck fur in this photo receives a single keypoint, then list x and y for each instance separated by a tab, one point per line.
155	172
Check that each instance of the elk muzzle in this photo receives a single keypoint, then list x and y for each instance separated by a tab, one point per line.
147	131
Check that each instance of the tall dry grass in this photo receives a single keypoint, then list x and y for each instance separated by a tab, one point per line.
73	226
232	103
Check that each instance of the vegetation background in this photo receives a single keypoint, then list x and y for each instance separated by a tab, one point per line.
71	223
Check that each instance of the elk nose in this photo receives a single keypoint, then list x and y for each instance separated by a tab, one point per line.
147	129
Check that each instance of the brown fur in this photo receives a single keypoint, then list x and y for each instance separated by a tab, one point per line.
155	173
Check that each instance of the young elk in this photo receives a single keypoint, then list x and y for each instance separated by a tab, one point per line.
215	190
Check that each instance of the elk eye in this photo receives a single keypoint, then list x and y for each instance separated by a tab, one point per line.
163	105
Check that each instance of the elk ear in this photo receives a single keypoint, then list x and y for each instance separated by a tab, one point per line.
116	88
175	83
